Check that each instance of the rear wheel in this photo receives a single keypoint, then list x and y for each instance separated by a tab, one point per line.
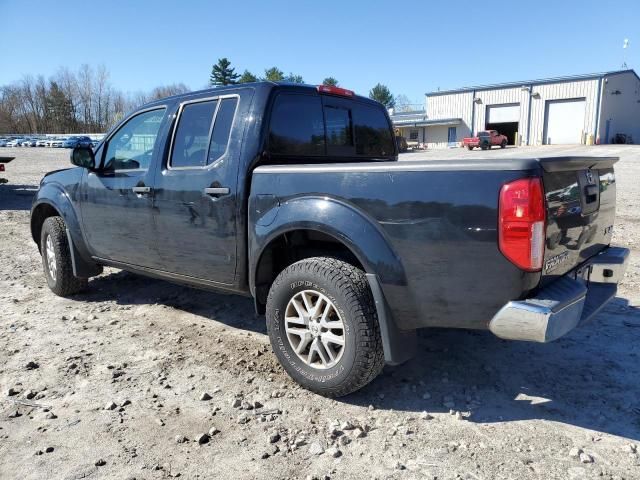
56	259
323	326
470	147
503	144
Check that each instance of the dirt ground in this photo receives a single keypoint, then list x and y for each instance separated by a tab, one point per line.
108	384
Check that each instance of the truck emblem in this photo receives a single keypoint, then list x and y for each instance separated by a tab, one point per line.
553	262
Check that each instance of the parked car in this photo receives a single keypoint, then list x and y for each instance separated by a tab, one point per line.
56	142
43	142
28	142
485	140
3	142
347	251
73	142
15	142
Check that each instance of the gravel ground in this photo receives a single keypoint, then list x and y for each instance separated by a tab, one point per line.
139	378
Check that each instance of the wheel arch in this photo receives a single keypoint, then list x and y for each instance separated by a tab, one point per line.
53	200
337	229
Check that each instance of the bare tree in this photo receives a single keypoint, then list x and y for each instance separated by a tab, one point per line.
71	102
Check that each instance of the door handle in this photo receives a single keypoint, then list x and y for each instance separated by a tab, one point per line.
216	191
141	190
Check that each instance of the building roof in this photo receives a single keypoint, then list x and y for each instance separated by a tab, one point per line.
420	120
542	81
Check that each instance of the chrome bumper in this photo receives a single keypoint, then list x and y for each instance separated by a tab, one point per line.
566	303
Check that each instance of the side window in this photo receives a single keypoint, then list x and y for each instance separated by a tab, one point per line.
297	125
191	139
373	136
131	147
222	129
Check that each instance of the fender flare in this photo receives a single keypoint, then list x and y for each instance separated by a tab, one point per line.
362	235
351	226
56	197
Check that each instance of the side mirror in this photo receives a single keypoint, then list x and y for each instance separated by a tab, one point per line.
83	157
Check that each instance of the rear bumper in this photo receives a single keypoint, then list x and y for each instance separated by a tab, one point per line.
563	305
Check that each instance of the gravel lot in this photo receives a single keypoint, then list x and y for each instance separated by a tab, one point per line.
112	383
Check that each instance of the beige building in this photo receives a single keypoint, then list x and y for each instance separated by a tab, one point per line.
594	108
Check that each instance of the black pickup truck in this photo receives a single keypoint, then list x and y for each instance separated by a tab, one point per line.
294	195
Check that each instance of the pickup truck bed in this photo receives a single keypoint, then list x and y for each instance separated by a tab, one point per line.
429	229
301	203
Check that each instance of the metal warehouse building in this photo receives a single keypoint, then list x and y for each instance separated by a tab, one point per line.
594	108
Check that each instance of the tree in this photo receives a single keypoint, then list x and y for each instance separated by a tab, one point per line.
382	94
274	74
168	91
247	77
330	82
59	110
294	78
223	74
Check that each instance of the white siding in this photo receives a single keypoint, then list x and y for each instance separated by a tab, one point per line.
438	136
454	105
622	110
587	89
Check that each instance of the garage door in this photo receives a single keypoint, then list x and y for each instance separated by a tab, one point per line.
503	113
564	121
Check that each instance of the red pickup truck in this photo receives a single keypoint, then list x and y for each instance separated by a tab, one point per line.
485	140
4	160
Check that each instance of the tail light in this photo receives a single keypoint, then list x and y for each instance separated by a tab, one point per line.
1	167
343	92
521	231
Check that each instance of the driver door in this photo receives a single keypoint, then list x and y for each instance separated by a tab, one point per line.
116	201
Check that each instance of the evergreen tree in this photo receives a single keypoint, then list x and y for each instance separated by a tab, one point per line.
223	74
59	110
330	82
382	94
247	77
274	74
294	78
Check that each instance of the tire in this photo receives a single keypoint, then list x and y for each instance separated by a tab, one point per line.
54	244
503	144
470	147
345	287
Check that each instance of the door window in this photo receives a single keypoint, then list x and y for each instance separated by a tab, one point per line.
222	129
131	147
191	139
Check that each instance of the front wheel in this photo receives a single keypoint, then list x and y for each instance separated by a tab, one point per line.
56	259
470	147
503	144
323	326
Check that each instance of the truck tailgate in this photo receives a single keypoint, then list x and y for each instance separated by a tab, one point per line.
581	195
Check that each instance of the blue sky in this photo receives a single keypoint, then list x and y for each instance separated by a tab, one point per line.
411	46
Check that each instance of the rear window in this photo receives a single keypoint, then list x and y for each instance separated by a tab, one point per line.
305	125
297	126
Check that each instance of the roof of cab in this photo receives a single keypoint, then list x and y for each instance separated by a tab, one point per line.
230	88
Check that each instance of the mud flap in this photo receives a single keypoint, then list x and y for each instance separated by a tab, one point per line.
398	345
81	268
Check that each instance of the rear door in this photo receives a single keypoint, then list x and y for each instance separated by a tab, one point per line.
581	196
196	195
